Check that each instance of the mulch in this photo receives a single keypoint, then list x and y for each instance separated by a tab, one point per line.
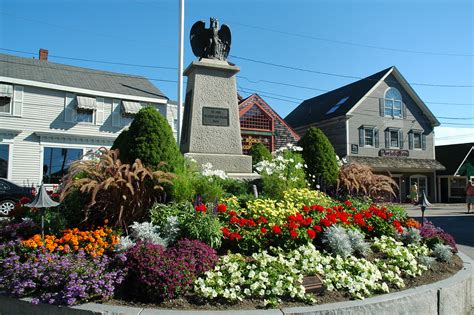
439	272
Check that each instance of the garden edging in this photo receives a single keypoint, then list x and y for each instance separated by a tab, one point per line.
450	296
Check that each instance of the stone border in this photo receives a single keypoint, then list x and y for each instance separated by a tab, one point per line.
454	295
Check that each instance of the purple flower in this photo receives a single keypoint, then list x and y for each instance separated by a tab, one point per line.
429	231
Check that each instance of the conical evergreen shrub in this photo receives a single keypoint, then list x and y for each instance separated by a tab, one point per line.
151	140
319	156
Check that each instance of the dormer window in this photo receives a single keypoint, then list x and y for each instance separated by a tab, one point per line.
393	103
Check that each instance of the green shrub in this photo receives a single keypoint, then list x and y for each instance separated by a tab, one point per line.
320	156
259	152
151	140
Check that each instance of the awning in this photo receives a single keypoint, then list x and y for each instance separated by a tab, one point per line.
6	90
131	108
401	164
86	103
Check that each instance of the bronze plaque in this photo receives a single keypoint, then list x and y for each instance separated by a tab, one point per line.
214	116
313	283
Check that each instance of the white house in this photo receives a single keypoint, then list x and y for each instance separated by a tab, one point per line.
51	114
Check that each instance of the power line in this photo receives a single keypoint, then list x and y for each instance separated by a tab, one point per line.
174	81
92	60
89	72
351	43
341	75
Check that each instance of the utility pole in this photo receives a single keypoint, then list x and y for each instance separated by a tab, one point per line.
180	70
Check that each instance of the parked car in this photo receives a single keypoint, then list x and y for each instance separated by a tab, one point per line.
10	194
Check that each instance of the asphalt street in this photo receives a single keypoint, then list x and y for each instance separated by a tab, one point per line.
452	218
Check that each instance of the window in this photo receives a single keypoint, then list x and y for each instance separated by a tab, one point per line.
4	152
175	124
255	118
368	136
417	140
84	116
6	95
393	103
56	162
338	104
127	119
393	138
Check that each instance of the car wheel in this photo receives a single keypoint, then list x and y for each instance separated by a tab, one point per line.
6	206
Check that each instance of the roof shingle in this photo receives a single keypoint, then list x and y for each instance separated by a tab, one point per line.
77	77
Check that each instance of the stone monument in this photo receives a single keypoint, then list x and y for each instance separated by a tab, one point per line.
211	126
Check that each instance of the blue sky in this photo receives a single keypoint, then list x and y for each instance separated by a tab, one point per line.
430	42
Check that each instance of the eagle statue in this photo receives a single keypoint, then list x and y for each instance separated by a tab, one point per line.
212	42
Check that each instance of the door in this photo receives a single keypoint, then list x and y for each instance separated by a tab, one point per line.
422	183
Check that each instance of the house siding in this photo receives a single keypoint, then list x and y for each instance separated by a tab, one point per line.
367	113
43	112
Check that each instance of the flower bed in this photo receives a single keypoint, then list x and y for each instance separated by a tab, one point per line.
218	251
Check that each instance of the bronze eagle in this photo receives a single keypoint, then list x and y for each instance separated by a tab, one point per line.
212	42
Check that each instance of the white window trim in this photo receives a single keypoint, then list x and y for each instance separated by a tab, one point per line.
10	143
373	137
393	104
87	123
390	130
421	135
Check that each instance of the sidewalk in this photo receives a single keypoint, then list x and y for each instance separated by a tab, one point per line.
439	209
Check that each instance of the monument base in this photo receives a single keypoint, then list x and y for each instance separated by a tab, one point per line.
230	163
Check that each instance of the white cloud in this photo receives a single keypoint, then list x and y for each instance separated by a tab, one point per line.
453	135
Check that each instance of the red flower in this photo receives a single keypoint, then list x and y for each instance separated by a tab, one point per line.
233	220
276	229
221	208
235	236
370	228
225	231
311	233
232	213
263	230
348	203
201	208
306	208
293	234
292	225
262	220
317	228
307	221
325	222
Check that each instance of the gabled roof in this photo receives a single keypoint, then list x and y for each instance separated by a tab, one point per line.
257	99
76	77
323	107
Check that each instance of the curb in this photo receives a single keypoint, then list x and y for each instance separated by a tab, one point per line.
450	296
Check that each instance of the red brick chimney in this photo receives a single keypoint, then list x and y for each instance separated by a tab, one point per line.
43	54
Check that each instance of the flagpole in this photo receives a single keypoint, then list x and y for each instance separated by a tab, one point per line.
180	70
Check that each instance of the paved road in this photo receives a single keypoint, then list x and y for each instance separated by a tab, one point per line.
452	218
